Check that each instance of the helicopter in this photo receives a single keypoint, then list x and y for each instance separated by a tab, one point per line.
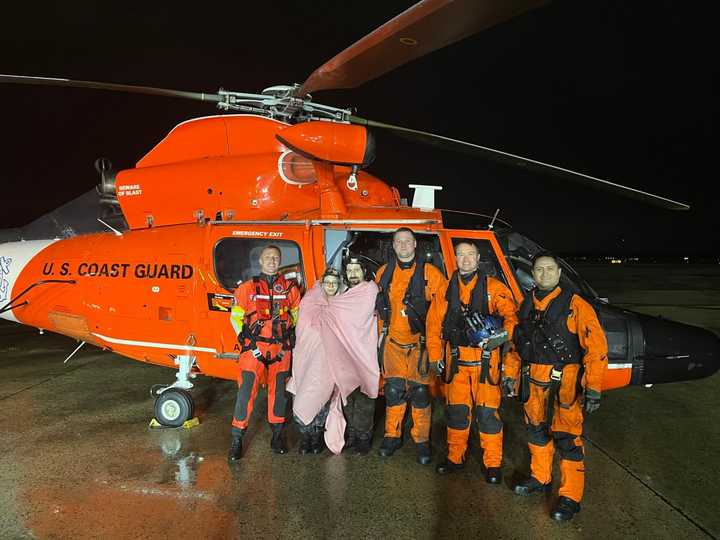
149	267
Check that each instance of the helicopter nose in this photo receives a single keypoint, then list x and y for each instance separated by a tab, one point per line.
676	351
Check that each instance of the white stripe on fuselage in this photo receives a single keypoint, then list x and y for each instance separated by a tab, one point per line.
14	256
153	345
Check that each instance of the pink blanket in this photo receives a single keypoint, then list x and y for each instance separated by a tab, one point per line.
335	352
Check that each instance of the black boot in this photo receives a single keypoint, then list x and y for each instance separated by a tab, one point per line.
389	446
363	444
423	456
350	438
235	452
305	443
565	509
531	485
493	475
317	443
277	443
446	466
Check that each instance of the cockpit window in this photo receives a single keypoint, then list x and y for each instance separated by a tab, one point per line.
520	252
237	260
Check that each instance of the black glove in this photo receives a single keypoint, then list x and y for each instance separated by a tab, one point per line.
508	386
592	401
437	367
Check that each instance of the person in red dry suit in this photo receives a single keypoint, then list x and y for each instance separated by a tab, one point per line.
263	317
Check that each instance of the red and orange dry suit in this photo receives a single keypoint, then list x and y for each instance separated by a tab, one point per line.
406	377
467	389
567	422
262	313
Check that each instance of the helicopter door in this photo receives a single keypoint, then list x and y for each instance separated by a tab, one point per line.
492	259
235	253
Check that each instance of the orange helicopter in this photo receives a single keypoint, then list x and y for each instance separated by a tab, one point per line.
153	279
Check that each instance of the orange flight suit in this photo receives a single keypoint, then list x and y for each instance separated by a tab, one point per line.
256	301
406	377
567	422
466	390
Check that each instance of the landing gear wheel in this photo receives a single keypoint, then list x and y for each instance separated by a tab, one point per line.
174	407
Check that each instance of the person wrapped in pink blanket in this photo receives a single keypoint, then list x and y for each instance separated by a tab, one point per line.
335	354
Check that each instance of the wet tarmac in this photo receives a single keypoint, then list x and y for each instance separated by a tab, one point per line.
77	459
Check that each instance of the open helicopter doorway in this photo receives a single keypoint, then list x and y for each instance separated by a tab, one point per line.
374	248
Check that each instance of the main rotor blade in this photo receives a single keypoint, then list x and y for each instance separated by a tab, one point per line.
50	81
425	27
524	163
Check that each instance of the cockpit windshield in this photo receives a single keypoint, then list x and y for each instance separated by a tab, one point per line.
520	251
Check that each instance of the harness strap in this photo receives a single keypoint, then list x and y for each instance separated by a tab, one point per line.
268	360
451	368
423	366
541	384
554	391
484	364
465	363
408	346
525	381
381	348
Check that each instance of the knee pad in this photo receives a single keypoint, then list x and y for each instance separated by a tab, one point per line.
280	397
488	420
419	396
394	391
569	446
537	434
247	381
458	416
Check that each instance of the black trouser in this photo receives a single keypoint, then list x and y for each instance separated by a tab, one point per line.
360	412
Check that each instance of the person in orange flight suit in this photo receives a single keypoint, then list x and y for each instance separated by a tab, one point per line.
564	355
409	290
263	316
474	371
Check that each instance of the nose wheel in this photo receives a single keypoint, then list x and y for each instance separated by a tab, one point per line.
174	407
173	404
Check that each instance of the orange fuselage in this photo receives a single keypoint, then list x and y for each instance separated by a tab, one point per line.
154	292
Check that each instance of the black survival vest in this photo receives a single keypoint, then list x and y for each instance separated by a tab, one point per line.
542	337
416	305
453	328
545	335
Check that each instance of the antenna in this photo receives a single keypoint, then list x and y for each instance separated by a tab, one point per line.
492	221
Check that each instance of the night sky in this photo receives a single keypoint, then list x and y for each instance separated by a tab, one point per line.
615	89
